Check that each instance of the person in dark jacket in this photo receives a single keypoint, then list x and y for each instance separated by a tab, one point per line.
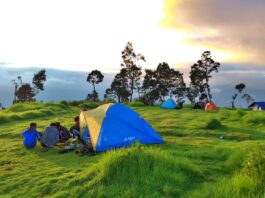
75	129
64	134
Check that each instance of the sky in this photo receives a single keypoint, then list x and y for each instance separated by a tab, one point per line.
81	35
86	34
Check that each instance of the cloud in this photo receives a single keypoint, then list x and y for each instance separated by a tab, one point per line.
236	25
69	85
60	84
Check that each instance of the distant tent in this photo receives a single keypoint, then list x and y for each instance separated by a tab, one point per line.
210	106
115	125
169	104
257	106
200	105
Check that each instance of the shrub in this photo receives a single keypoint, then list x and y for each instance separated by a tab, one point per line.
90	105
213	124
64	102
75	102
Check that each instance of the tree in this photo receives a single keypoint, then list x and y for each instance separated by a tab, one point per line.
24	92
163	74
178	87
150	88
38	80
248	98
162	82
94	77
170	82
119	87
239	87
192	93
15	91
201	73
131	64
92	97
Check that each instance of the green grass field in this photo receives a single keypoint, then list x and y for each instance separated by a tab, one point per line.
194	161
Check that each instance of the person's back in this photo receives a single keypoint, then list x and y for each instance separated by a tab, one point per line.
50	136
65	131
64	134
30	136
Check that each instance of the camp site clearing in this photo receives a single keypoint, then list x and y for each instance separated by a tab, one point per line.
204	154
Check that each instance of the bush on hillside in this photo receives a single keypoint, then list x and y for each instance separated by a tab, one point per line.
90	105
75	102
64	102
213	124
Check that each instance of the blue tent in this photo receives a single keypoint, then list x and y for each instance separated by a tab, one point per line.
169	104
258	106
115	125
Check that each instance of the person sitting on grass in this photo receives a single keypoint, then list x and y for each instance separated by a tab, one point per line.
64	134
30	136
50	136
82	143
75	130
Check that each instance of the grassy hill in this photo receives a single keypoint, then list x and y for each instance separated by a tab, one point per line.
194	161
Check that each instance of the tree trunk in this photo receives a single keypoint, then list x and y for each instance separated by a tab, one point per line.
233	104
132	85
94	92
209	97
15	95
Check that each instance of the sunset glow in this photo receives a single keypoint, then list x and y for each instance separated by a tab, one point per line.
83	35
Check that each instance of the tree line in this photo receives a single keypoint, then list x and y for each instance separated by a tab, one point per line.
25	91
149	86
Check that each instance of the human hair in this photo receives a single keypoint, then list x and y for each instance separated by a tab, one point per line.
58	124
33	124
76	118
53	124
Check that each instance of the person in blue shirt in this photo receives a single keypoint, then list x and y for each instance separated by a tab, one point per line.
30	136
